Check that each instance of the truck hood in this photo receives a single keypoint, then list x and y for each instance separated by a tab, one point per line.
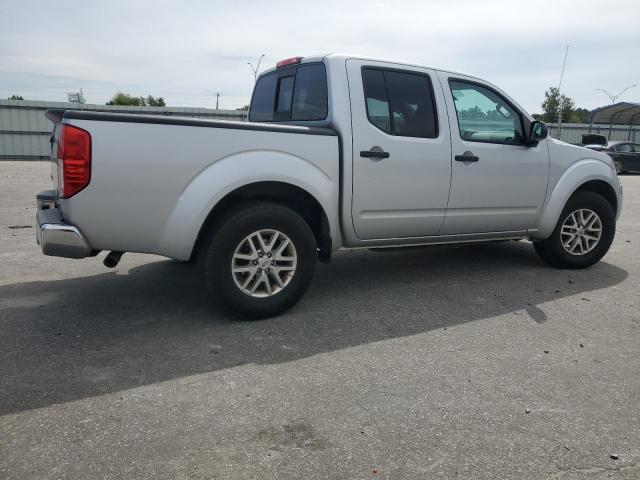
566	153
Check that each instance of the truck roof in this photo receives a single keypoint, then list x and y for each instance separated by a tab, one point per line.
344	56
340	58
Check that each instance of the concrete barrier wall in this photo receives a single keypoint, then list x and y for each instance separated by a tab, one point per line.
25	131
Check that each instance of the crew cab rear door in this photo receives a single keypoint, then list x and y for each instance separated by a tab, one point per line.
401	150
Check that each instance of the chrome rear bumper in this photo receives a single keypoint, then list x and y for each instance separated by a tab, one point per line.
55	237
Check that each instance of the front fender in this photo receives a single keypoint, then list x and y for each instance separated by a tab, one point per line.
577	174
228	174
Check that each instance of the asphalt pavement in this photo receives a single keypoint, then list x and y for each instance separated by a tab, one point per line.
436	363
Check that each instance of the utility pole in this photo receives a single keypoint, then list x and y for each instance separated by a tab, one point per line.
566	52
217	99
612	97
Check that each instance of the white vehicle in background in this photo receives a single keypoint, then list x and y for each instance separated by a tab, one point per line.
340	152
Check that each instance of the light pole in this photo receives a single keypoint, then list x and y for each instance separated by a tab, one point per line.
256	69
255	73
613	98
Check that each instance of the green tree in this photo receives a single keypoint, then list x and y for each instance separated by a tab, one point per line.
554	102
473	113
579	115
126	99
121	98
155	102
16	97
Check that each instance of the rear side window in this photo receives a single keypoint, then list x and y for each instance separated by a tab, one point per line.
400	103
310	94
298	93
375	92
263	100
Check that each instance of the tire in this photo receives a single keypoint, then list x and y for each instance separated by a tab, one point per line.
541	251
586	250
618	166
228	245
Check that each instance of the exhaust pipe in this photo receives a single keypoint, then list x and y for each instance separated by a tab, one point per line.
112	259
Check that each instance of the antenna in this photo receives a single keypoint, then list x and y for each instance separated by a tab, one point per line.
564	63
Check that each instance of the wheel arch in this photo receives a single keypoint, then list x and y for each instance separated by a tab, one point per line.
270	175
282	193
602	188
586	175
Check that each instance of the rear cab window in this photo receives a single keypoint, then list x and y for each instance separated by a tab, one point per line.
295	93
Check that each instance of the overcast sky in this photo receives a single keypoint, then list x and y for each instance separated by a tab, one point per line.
186	51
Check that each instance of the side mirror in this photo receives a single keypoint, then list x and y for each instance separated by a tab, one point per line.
537	132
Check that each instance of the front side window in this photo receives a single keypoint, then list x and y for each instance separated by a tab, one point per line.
624	148
400	103
295	93
484	116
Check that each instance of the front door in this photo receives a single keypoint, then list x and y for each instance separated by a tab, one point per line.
401	150
497	183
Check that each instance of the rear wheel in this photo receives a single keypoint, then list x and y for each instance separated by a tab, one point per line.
259	259
583	234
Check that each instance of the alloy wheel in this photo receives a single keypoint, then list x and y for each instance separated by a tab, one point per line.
264	263
581	231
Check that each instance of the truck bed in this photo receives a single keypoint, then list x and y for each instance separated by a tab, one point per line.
154	179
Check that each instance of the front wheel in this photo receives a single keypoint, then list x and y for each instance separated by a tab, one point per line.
260	259
583	234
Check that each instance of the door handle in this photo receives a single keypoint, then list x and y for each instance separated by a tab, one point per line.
375	152
467	157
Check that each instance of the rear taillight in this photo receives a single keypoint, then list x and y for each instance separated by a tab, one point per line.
74	160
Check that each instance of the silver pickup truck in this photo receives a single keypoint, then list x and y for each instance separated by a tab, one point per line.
340	152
